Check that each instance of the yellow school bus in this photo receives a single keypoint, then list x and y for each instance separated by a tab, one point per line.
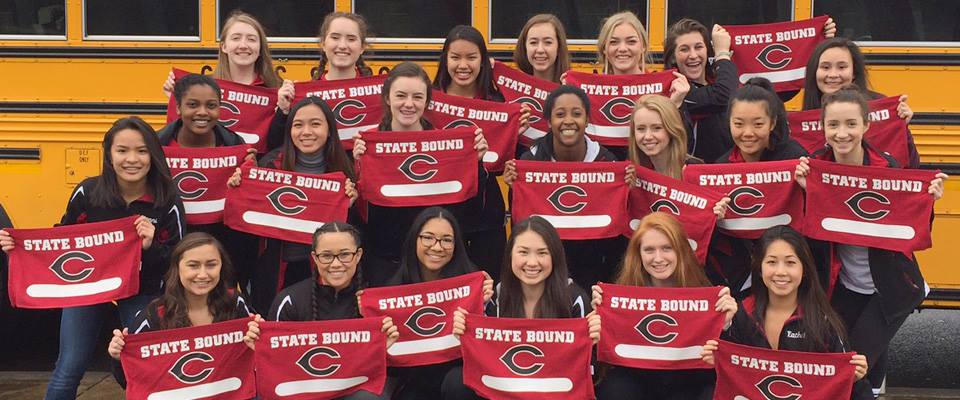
69	68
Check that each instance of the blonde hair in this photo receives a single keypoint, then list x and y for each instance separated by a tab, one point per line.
561	64
606	31
688	273
264	64
672	123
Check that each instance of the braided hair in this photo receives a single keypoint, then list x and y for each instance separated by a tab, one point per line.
362	26
331	227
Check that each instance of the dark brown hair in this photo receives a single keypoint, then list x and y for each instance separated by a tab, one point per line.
361	22
219	301
680	28
561	64
555	301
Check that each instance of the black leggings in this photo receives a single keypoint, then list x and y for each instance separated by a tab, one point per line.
630	383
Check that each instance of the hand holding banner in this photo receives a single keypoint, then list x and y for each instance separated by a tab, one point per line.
612	98
75	265
778	51
423	313
208	362
657	328
886	208
320	359
525	358
582	200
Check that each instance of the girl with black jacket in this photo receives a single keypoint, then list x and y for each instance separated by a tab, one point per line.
788	309
659	255
135	181
311	146
877	288
535	284
406	94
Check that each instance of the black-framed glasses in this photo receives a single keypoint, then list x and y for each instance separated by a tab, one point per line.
446	242
327	258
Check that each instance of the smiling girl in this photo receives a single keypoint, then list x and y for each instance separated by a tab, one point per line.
541	48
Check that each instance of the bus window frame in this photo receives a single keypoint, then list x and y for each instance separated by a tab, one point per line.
140	38
410	40
666	16
272	39
898	43
40	37
569	41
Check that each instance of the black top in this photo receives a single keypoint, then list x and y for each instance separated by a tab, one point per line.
542	150
168	220
148	319
223	136
579	302
705	107
296	302
788	150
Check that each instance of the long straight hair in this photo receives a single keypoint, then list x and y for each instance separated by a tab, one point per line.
672	124
819	320
333	152
159	183
356	281
485	87
811	92
555	301
364	29
688	273
219	301
409	263
264	64
406	69
561	64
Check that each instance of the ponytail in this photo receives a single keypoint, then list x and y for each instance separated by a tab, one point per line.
761	90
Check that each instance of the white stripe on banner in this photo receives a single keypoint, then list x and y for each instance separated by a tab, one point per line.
198	391
658	353
423	345
41	290
577	221
279	221
534	133
490	156
868	228
541	385
318	385
421	189
347	133
754	223
249	138
609	131
203	207
777	76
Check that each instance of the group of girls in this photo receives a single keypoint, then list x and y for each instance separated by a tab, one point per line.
706	118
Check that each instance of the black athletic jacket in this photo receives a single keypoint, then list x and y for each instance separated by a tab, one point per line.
224	136
705	106
168	220
296	302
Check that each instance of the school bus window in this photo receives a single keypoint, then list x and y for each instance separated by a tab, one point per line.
33	18
725	12
280	18
413	19
581	18
894	20
167	18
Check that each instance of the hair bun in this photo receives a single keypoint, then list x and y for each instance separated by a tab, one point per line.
760	82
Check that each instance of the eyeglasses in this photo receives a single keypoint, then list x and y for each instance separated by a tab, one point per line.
446	243
327	258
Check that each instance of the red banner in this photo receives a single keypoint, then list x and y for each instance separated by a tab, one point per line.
201	175
886	208
425	168
762	194
285	205
518	87
887	132
244	109
657	328
208	362
690	204
356	103
320	359
500	123
612	98
582	200
523	358
423	313
778	51
75	265
745	372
